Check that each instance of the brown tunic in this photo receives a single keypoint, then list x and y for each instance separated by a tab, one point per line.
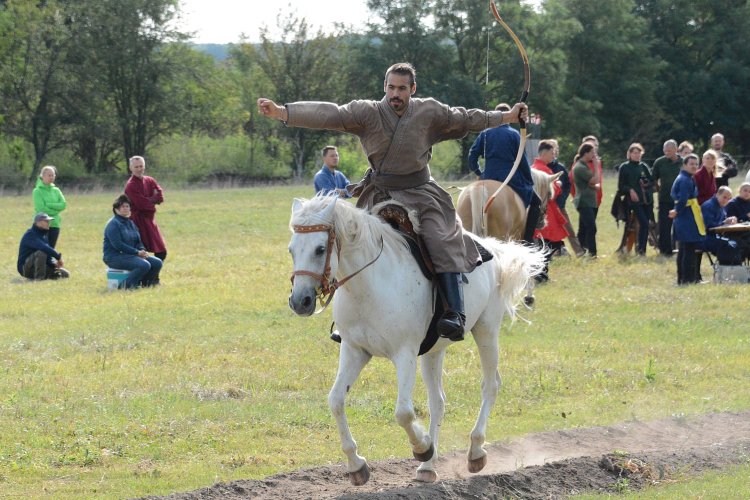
398	149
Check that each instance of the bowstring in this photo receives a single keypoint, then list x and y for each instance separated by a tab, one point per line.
486	117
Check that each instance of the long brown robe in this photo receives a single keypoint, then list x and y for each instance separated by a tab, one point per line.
398	149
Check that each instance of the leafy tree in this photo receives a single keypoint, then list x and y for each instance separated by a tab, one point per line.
300	67
34	74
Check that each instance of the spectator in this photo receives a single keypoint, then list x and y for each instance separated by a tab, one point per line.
123	248
329	179
636	183
144	194
49	199
553	233
555	166
499	147
739	206
685	148
727	166
37	260
664	172
688	221
714	215
586	184
705	178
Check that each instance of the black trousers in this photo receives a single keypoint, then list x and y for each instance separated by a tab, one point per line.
587	229
642	217
52	235
686	263
666	238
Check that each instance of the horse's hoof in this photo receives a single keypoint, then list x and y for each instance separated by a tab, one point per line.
360	477
426	476
528	300
477	465
423	457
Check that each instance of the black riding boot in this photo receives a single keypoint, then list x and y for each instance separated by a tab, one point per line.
532	218
451	324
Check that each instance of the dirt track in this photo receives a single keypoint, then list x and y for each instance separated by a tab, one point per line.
552	465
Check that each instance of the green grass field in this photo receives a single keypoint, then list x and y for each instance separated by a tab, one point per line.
211	377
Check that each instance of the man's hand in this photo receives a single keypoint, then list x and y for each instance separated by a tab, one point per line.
59	264
672	214
143	254
268	108
479	177
521	108
342	192
633	196
731	220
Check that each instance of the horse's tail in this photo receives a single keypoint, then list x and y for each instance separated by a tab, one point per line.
515	266
478	197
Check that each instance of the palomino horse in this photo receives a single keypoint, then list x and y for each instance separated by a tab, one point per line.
385	310
506	218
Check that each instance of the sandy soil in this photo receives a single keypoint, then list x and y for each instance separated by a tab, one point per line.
544	466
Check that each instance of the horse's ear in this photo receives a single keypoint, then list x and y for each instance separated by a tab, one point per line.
556	176
327	214
297	206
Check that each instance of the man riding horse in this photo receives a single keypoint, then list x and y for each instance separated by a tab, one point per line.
397	134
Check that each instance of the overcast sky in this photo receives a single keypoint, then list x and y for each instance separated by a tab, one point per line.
222	21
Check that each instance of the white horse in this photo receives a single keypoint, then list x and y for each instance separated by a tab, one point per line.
385	310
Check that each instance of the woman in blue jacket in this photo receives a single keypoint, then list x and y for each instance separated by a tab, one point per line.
688	220
123	248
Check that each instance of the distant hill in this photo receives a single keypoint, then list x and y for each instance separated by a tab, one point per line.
220	51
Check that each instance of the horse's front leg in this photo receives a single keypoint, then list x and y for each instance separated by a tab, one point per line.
351	363
432	374
406	372
485	334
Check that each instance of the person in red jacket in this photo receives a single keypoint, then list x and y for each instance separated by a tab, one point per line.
553	234
145	194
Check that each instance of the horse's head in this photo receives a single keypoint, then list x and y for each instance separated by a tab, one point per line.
311	246
544	185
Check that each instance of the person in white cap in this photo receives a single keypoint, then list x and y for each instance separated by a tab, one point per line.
37	260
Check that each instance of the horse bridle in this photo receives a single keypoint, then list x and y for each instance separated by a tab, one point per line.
329	284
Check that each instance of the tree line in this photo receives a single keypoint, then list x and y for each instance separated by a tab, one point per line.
90	83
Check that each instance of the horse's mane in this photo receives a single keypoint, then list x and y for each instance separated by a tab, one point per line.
356	230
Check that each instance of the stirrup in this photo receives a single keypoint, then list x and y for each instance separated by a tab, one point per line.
451	326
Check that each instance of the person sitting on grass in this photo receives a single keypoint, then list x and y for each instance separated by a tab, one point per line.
123	248
739	206
37	260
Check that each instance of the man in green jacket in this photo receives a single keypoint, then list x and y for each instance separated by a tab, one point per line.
49	199
665	170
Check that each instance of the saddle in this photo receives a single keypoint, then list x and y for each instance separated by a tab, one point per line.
400	219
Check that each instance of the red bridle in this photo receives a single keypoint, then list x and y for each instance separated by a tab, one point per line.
329	284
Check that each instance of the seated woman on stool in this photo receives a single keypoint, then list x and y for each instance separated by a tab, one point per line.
123	248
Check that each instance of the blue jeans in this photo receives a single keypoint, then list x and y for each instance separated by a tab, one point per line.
142	271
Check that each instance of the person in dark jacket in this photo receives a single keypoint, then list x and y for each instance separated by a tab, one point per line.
636	182
729	166
688	220
499	147
664	171
560	199
739	206
37	260
123	248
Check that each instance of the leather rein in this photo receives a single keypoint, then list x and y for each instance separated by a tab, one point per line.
329	284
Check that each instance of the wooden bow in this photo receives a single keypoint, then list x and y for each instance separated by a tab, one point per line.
524	96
